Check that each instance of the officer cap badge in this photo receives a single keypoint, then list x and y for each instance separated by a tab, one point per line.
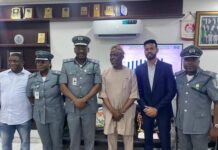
191	51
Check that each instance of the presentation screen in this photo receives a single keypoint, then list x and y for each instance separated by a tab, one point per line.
170	53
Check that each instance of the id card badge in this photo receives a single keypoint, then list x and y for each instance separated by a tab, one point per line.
74	81
36	94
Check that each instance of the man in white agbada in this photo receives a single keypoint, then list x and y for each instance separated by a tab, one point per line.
119	91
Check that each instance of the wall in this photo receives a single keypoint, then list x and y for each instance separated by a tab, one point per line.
163	30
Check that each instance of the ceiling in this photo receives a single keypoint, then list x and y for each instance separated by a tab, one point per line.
12	2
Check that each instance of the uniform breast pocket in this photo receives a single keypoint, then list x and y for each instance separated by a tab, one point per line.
53	83
72	73
180	85
89	71
89	76
52	90
199	86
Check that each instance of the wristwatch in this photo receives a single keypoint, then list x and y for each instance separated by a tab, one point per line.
216	125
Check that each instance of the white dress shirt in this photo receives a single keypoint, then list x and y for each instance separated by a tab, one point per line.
151	72
15	106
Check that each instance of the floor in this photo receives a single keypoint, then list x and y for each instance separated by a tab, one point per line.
36	143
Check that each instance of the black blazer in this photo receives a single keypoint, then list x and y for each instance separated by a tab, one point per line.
164	86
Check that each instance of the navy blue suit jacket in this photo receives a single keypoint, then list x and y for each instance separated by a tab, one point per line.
164	86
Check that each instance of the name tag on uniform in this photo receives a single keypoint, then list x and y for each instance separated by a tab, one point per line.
36	94
74	81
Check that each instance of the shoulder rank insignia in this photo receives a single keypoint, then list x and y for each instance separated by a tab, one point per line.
209	73
93	60
68	60
179	73
32	75
56	72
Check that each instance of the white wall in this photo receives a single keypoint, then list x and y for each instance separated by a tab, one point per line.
163	30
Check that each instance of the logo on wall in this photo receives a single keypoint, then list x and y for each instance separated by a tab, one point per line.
188	27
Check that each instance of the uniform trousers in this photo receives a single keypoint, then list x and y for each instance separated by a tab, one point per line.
51	134
192	141
81	126
127	140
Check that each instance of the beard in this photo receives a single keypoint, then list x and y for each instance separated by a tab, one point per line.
150	56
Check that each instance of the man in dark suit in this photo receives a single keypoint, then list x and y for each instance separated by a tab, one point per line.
157	88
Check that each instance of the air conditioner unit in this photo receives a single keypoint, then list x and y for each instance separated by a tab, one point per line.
117	28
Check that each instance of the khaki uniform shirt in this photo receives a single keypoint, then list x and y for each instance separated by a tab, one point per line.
194	101
48	101
80	79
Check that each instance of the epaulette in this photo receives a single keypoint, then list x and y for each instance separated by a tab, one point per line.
68	60
93	60
56	72
209	73
32	75
179	73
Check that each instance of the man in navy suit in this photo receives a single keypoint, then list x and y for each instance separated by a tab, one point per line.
157	88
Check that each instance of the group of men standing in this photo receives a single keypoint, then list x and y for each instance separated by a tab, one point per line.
153	86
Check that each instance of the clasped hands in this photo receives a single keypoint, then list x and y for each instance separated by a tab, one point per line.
150	111
80	102
117	114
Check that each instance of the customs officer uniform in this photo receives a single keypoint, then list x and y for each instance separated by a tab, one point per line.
195	96
48	110
80	79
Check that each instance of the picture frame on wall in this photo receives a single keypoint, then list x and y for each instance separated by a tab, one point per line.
16	13
28	13
48	13
206	33
84	11
65	12
41	38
